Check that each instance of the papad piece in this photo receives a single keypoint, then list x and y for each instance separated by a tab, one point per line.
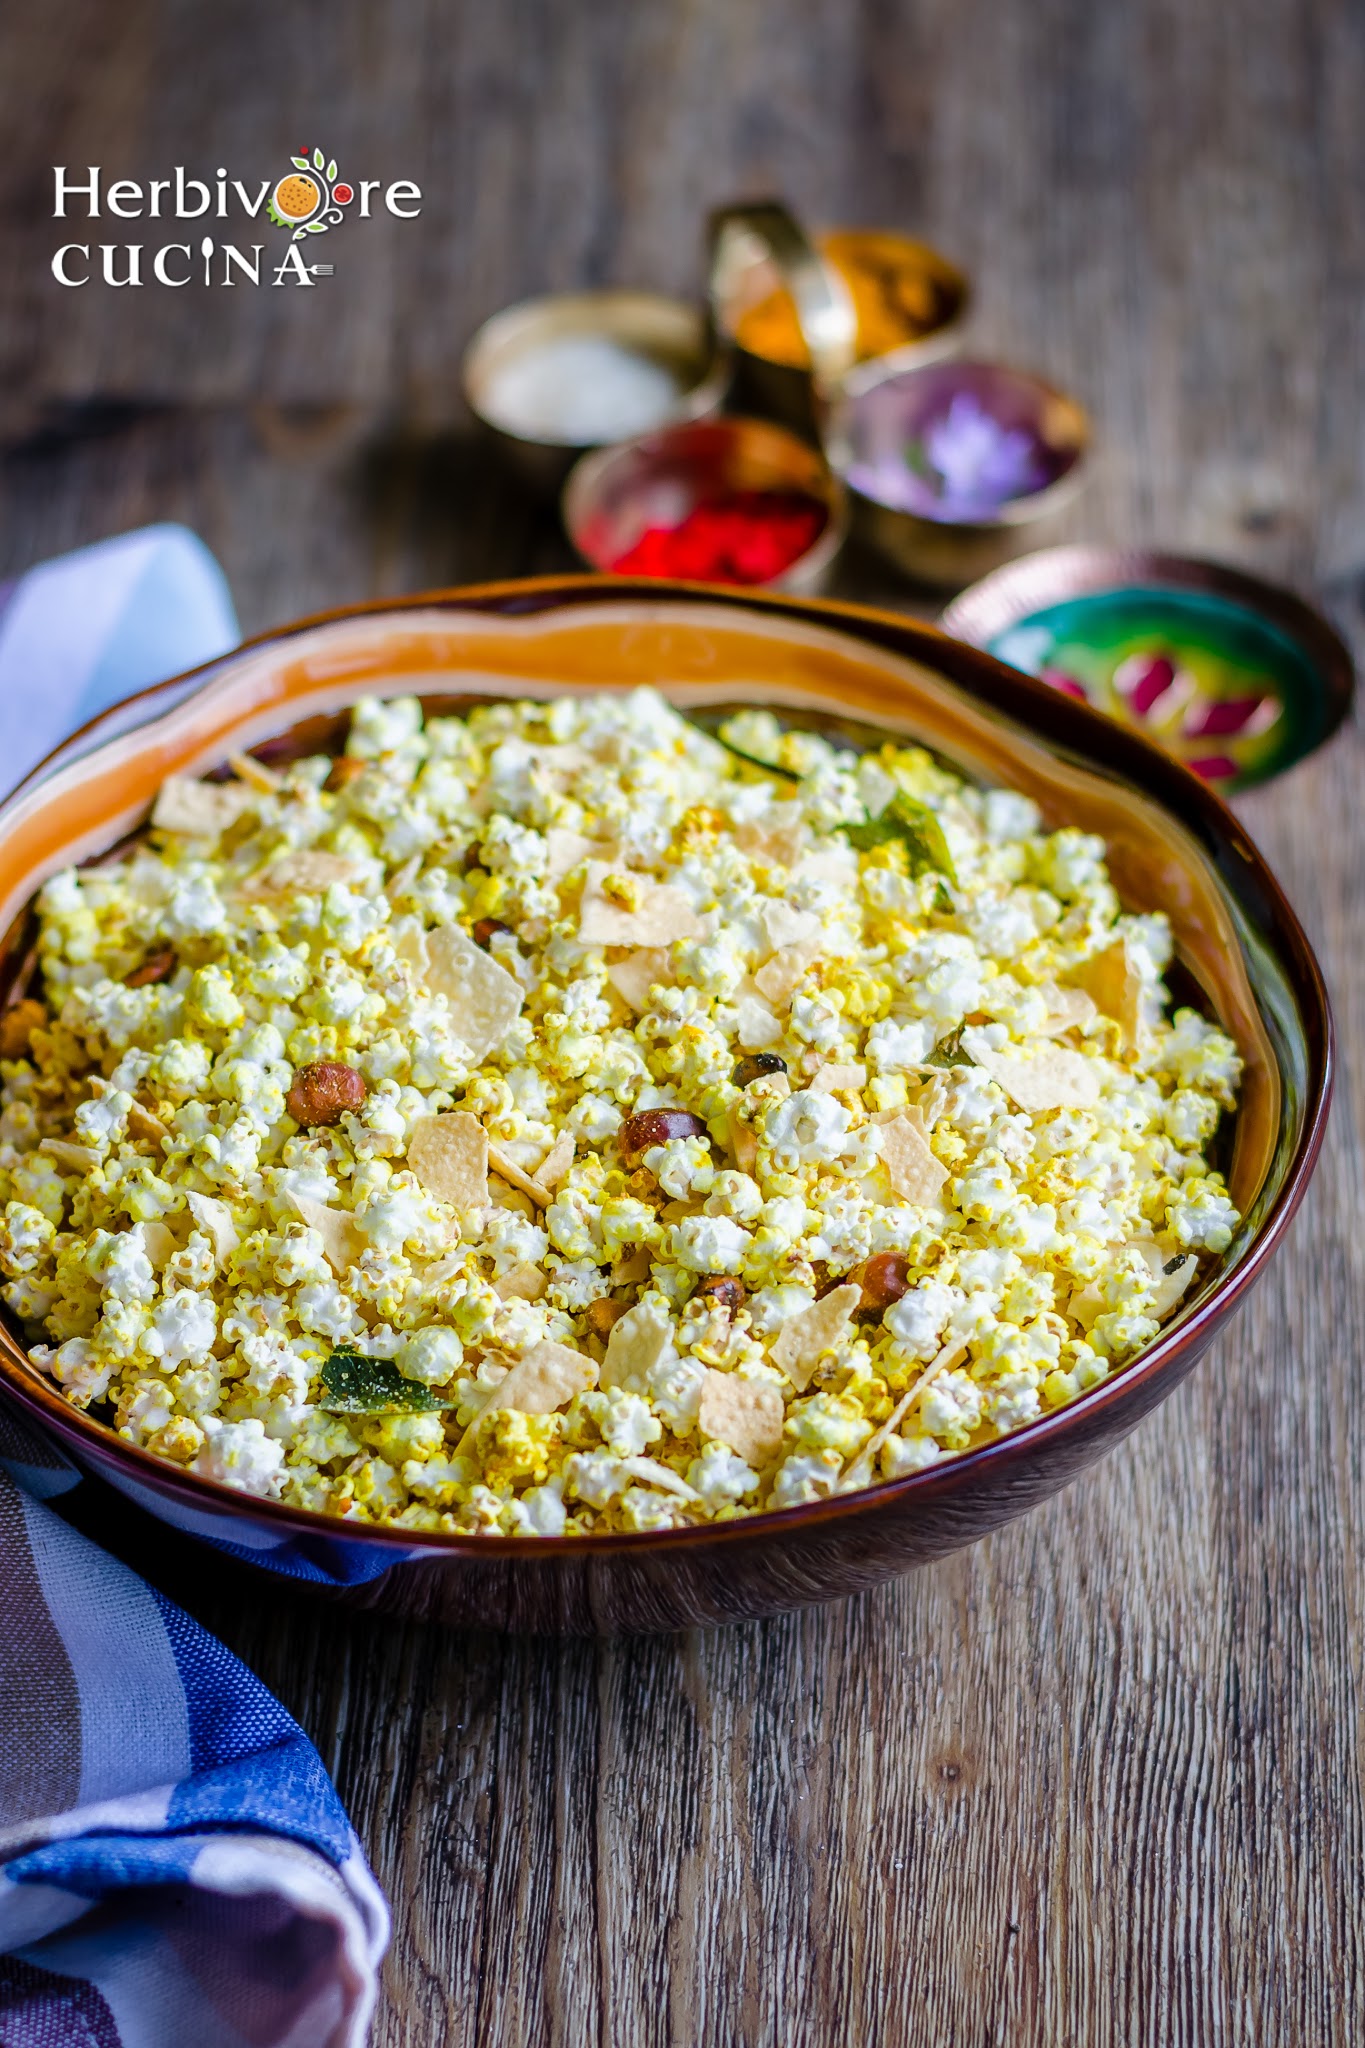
636	975
564	851
915	1173
1068	1009
485	1000
784	925
1053	1078
756	1028
214	1218
655	914
308	872
159	1241
745	1414
342	1238
523	1282
449	1155
1113	983
834	1076
804	1338
778	978
775	843
637	1342
200	810
545	1378
68	1156
1172	1273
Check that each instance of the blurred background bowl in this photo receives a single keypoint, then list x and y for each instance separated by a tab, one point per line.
799	311
953	466
612	496
536	359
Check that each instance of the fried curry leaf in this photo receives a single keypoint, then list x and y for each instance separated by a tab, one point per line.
753	760
948	1052
909	824
355	1385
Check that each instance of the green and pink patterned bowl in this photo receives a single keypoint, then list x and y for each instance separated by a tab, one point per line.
1236	677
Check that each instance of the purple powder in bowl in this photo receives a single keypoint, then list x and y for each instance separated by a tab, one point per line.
956	442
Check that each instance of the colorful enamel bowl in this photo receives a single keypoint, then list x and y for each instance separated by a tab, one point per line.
841	668
1237	677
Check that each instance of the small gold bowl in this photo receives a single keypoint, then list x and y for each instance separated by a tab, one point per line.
953	466
796	325
568	329
612	496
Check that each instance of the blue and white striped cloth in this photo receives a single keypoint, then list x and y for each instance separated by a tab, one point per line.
175	1866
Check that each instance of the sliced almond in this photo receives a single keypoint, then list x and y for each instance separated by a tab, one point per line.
450	1155
201	810
652	1473
1053	1078
637	1342
255	774
636	975
214	1218
745	1414
804	1338
522	1282
743	1142
485	1000
343	1240
860	1471
656	914
556	1162
502	1163
914	1172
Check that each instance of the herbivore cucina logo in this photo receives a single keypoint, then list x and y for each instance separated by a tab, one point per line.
306	201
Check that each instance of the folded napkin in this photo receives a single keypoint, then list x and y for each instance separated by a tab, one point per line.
87	629
175	1866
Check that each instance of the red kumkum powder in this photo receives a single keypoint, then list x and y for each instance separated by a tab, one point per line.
744	537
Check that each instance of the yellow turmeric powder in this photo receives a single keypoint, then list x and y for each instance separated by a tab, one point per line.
901	291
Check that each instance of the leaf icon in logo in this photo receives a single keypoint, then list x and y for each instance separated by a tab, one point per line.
300	163
317	159
331	170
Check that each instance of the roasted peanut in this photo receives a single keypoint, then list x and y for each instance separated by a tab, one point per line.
322	1091
650	1127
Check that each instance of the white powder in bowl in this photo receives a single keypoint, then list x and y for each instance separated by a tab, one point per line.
581	389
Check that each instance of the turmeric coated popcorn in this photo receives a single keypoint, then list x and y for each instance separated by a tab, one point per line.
561	1119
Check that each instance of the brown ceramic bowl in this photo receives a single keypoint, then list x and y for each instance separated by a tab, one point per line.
842	668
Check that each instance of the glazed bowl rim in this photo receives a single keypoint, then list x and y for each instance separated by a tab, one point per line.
563	591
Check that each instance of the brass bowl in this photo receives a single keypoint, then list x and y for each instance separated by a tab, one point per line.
882	406
668	331
843	669
758	247
612	495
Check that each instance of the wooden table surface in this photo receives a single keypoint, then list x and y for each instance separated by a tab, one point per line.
1100	1778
